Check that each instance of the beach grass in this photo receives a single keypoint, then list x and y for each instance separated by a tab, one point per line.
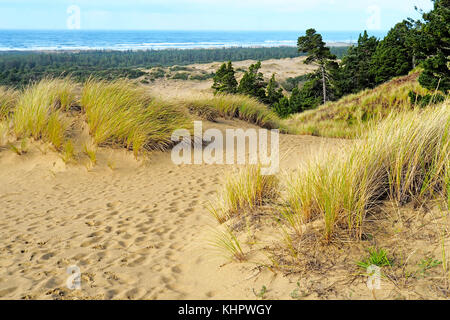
404	158
244	191
236	106
124	114
8	100
39	112
351	116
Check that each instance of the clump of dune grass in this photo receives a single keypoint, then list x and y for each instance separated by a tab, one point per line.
203	111
244	191
228	244
404	158
68	151
350	116
39	111
90	149
237	106
8	100
4	132
123	113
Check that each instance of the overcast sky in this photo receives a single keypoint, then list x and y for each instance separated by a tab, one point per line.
208	14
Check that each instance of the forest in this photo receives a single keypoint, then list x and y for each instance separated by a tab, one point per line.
411	44
19	68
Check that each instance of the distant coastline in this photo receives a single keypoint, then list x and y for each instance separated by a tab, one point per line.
76	41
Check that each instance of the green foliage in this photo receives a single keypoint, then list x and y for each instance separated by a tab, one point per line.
20	68
427	264
436	46
252	83
225	80
202	76
354	73
425	100
308	97
181	76
282	107
157	73
261	294
377	257
293	82
313	45
393	56
273	92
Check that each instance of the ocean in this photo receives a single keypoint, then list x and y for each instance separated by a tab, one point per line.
25	40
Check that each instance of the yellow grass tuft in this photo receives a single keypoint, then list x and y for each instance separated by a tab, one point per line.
244	191
39	111
122	113
404	158
8	100
235	106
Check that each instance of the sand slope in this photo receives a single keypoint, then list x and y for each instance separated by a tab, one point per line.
136	230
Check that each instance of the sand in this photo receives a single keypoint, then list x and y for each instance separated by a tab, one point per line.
283	69
136	230
140	229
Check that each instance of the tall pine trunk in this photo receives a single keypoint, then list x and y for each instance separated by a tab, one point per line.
324	85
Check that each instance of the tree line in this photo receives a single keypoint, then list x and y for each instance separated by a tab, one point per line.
19	68
408	44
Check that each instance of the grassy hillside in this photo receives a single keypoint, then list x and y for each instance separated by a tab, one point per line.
118	113
351	115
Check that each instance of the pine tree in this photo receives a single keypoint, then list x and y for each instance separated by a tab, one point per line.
230	79
225	80
218	84
393	56
273	92
436	47
354	74
313	45
252	83
308	97
282	107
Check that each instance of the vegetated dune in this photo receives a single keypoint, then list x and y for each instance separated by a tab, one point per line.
136	229
351	115
163	83
92	189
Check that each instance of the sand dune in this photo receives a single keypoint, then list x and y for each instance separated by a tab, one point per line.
136	230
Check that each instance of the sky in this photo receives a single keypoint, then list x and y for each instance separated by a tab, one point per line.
264	15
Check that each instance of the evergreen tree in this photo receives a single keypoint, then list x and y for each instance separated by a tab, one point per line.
354	73
308	97
394	55
282	107
313	45
252	83
436	47
273	92
225	80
